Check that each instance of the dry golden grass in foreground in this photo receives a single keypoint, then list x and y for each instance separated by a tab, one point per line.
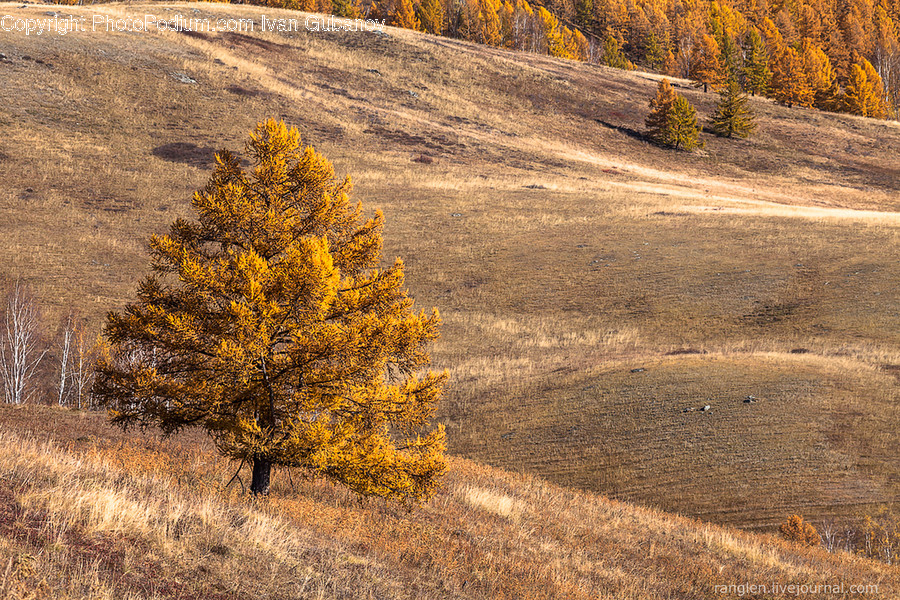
562	250
89	512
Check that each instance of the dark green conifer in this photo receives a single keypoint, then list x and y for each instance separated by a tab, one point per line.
612	55
729	58
683	129
655	52
584	13
344	8
733	117
756	65
672	120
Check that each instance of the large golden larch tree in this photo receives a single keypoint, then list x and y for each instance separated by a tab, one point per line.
269	323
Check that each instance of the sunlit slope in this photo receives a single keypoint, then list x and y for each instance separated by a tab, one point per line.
559	246
87	512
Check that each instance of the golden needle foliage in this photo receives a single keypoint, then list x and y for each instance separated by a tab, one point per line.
796	530
672	120
268	323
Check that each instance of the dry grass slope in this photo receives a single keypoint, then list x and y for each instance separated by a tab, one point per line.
88	512
815	429
562	251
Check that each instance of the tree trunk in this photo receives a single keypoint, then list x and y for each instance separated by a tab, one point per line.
262	469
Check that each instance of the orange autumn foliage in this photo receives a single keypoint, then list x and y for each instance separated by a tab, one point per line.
269	324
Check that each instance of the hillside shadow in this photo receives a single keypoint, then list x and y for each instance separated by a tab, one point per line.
632	133
185	153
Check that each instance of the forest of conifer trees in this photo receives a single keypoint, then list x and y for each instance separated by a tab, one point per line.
836	55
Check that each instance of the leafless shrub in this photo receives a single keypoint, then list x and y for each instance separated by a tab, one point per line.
75	366
829	533
85	354
64	382
20	349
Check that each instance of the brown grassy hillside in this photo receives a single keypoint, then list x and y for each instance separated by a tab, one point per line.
562	250
87	512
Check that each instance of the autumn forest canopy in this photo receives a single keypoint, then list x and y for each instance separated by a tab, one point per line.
836	55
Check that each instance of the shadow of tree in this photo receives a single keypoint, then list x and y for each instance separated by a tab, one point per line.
632	133
186	153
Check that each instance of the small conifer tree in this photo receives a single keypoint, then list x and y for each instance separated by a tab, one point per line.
660	106
796	530
402	14
584	13
612	55
668	67
431	16
344	8
729	58
672	120
864	92
269	324
655	52
683	128
706	69
488	29
553	34
756	66
821	75
732	117
877	107
790	80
